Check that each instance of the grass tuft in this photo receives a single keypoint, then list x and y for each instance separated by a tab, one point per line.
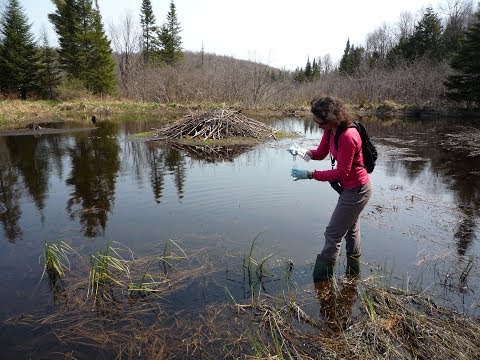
55	260
104	268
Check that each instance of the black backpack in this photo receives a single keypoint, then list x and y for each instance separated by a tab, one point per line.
368	149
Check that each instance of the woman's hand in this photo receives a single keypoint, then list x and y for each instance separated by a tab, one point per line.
298	174
303	153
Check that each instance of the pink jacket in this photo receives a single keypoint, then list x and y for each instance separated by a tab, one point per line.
348	155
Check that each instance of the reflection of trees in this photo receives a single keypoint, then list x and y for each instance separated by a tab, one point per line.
57	150
463	179
465	231
156	161
410	139
160	160
168	158
462	175
10	193
135	159
420	139
309	126
175	163
95	163
30	157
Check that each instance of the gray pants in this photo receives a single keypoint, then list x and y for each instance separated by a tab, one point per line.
345	221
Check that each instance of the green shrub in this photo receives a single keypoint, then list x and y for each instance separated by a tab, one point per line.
70	89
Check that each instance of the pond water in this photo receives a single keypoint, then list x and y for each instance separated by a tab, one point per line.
91	187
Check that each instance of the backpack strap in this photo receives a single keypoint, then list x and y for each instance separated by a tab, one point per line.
332	159
340	131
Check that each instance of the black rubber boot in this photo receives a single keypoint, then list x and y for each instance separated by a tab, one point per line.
353	265
323	269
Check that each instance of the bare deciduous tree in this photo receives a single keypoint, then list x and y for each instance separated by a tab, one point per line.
405	26
327	64
458	15
379	42
126	42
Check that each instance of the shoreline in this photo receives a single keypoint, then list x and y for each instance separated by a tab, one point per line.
18	114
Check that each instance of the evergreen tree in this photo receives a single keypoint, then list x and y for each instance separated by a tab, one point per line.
101	65
357	56
84	37
149	29
465	84
85	52
48	72
402	51
169	38
352	59
426	41
315	69
18	54
374	59
299	75
345	65
427	38
308	69
66	22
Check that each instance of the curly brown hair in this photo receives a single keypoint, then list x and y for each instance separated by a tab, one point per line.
331	111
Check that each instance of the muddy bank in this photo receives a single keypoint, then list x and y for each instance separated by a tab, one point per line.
17	114
41	131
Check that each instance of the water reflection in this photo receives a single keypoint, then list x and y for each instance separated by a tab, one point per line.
95	160
465	231
463	177
141	194
25	158
31	159
175	164
10	194
162	160
416	152
212	154
95	163
156	159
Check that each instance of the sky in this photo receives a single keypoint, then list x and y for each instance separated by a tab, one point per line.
280	33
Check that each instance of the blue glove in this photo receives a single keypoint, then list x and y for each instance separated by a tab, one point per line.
299	174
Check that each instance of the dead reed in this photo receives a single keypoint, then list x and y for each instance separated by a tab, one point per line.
389	324
344	318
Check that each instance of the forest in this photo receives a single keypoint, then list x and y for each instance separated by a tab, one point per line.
427	60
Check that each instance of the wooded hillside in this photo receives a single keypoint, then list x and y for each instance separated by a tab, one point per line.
428	60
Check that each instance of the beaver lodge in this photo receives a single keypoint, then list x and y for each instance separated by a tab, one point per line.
215	125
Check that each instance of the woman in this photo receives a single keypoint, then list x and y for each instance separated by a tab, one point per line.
331	116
